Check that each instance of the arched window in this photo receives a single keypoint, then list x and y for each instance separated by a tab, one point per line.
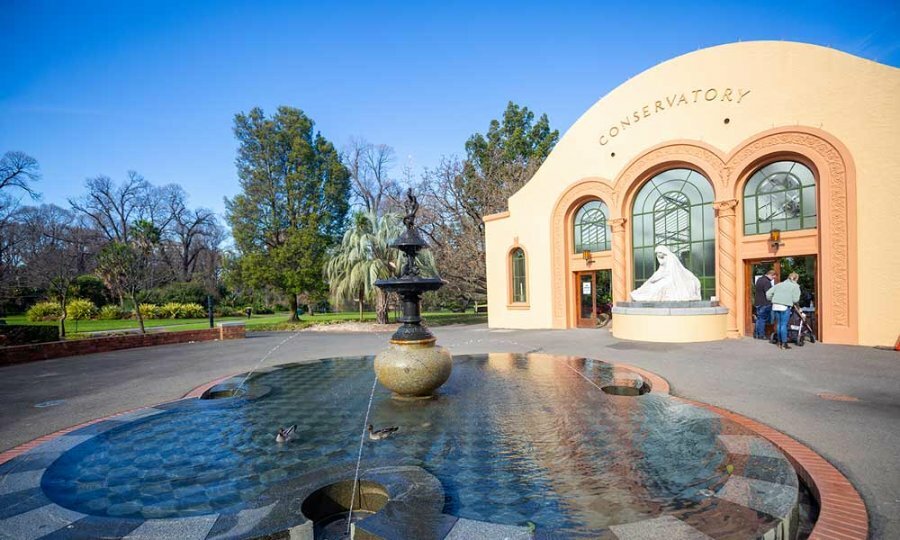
674	209
591	227
517	279
781	195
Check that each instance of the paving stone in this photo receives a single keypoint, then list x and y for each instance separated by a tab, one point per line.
38	522
777	500
241	523
668	527
467	529
20	481
189	528
750	445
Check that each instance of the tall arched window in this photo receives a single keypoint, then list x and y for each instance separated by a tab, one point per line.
591	227
674	209
781	195
517	279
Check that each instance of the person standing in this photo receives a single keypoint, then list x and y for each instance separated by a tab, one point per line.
761	304
783	296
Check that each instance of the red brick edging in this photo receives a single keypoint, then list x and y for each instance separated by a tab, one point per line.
18	354
842	512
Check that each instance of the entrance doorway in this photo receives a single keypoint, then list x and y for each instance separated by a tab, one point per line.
594	295
804	265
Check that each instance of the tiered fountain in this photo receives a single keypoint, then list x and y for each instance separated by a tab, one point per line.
413	367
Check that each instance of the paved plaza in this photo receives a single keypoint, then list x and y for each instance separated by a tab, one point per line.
842	401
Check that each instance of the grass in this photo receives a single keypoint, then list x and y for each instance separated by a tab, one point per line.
277	321
432	318
84	327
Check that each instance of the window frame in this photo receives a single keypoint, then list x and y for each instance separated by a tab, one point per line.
511	256
578	227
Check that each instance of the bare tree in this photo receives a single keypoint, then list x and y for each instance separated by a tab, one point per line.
370	168
111	208
17	171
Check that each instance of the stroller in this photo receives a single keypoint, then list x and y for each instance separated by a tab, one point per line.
800	326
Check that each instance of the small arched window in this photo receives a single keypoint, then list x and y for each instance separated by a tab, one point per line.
592	227
517	279
781	195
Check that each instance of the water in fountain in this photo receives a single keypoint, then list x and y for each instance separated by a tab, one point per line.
362	440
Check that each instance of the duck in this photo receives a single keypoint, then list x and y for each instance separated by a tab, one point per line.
378	434
285	434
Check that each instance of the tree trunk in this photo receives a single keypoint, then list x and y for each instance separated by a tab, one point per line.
381	307
360	306
62	318
138	314
294	307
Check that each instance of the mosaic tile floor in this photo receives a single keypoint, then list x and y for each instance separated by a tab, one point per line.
518	441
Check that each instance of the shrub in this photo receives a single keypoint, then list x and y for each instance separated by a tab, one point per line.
170	310
91	288
192	311
150	311
21	334
79	309
43	311
112	312
183	293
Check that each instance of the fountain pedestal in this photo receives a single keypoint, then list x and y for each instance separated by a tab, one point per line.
413	367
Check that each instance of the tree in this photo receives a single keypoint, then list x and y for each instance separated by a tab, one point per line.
190	233
18	171
293	202
111	208
365	255
130	266
459	193
59	254
369	166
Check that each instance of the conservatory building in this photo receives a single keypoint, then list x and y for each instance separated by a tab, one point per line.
738	158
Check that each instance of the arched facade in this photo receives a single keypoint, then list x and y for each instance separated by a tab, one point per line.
843	138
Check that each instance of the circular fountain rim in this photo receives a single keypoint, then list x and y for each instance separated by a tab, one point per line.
842	509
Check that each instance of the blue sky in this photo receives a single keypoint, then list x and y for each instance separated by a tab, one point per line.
94	87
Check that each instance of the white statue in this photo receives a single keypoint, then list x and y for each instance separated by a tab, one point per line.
671	281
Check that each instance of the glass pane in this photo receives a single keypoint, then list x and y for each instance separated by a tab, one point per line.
781	199
674	209
587	296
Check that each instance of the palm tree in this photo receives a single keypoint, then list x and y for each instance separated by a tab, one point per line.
364	256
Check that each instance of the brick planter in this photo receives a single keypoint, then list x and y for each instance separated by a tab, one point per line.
18	354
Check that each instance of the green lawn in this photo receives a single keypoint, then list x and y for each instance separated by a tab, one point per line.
84	327
278	321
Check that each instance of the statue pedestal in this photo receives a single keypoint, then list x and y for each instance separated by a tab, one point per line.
670	322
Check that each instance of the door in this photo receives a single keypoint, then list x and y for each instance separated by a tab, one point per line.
804	265
753	271
594	294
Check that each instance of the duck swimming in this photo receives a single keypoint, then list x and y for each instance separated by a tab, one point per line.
285	434
378	434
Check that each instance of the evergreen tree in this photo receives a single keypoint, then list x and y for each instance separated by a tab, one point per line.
293	202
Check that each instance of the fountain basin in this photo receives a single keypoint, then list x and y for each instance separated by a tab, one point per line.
514	443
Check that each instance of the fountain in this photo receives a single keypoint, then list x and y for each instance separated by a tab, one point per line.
413	367
522	446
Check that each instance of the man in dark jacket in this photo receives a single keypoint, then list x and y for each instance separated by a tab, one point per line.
761	304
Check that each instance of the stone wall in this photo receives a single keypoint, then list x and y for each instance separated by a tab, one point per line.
44	351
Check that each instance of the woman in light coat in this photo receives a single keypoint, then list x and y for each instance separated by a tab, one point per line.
783	296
